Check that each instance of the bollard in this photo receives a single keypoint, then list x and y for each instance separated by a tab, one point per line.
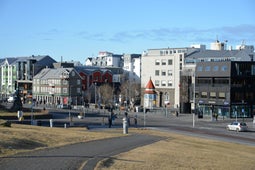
51	123
65	125
125	125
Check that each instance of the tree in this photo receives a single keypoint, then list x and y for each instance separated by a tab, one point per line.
105	92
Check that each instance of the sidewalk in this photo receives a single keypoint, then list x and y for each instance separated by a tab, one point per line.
74	156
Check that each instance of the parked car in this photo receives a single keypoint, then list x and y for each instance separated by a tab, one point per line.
65	106
10	99
237	126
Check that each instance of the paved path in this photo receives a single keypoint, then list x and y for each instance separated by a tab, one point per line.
74	156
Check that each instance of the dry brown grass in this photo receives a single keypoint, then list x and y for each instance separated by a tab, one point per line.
184	152
21	138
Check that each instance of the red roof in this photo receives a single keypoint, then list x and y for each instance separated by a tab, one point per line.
150	88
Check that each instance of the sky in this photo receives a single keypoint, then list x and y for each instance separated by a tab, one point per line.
77	29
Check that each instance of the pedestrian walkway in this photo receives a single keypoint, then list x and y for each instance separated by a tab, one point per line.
74	156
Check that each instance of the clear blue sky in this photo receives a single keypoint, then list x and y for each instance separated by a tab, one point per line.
77	29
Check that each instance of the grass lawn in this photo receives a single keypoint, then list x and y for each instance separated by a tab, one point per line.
22	138
183	152
175	152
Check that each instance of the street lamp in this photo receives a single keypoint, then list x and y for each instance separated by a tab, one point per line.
95	93
194	98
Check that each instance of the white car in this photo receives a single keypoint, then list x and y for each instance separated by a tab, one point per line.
237	126
10	99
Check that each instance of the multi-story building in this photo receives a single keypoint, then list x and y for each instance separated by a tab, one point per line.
17	74
225	88
58	86
8	76
166	66
107	59
66	84
132	66
163	66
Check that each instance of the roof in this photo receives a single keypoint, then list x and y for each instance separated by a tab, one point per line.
237	54
49	73
150	88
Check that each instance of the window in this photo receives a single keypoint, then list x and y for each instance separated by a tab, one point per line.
156	72
78	90
207	68
215	68
252	69
169	72
163	83
156	82
224	68
169	83
222	95
78	82
213	95
163	62
163	73
200	68
204	94
157	62
64	90
170	62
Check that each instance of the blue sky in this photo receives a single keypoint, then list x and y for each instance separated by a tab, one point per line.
77	29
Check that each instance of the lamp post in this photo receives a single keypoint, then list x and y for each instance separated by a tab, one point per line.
194	98
70	102
95	93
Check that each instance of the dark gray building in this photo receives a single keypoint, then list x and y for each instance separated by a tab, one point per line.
226	88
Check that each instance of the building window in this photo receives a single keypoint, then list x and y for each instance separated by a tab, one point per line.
163	73
157	62
169	83
200	68
170	62
163	83
215	68
222	95
163	62
252	69
213	95
207	68
224	68
64	90
156	72
78	90
204	95
169	72
78	82
156	82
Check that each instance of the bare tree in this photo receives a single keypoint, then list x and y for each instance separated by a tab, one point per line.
106	93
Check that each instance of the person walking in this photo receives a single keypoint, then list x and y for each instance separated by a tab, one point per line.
110	118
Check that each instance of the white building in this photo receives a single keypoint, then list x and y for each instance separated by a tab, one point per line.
132	65
164	66
107	59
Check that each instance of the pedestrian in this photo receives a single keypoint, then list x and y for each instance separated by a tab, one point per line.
110	120
135	119
216	116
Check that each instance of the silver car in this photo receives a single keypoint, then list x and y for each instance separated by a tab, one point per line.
237	126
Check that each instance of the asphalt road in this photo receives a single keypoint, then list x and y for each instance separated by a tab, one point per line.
75	156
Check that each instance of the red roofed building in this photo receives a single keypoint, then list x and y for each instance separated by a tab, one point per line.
150	95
